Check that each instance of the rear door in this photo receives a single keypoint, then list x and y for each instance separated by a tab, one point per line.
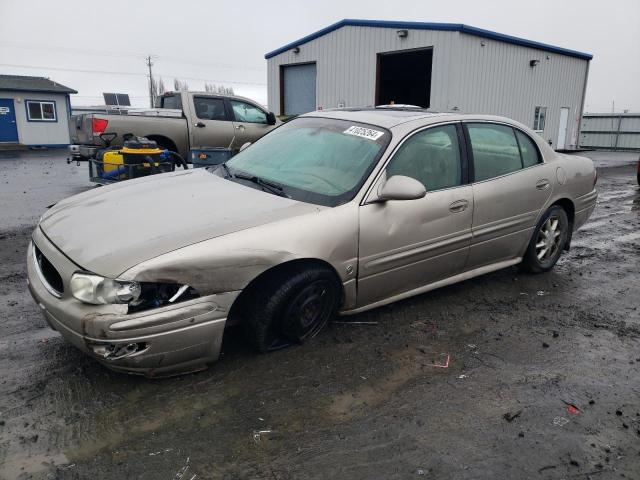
407	244
212	122
249	121
511	184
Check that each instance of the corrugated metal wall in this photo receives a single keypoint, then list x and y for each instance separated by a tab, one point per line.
611	131
495	78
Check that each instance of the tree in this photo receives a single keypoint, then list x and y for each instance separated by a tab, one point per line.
157	89
213	88
180	85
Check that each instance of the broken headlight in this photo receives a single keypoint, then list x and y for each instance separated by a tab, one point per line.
97	290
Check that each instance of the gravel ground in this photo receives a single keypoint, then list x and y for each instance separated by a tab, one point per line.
542	376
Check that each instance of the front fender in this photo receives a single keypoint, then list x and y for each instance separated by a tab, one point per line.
230	262
209	272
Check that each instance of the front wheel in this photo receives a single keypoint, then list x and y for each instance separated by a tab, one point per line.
548	240
290	308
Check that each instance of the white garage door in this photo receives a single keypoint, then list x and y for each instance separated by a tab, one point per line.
299	89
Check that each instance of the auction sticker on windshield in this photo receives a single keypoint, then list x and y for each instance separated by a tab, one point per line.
368	133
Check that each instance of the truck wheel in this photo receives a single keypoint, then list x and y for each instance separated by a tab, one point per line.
547	242
288	309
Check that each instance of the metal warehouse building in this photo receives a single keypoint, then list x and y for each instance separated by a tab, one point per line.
441	66
34	112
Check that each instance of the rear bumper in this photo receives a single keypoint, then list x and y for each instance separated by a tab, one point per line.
163	341
82	152
585	205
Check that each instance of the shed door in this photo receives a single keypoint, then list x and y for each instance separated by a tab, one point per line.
8	127
299	89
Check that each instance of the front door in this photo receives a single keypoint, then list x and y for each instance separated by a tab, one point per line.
213	126
511	185
406	244
250	122
8	127
562	129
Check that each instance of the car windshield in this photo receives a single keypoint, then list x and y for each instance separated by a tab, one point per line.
315	160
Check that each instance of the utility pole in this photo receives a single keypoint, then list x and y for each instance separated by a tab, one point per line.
152	87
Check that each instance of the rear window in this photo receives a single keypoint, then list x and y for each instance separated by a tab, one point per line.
172	101
530	155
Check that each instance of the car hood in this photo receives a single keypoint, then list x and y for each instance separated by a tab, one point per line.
111	229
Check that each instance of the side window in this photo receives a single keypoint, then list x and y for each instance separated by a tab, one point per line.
209	108
431	156
528	150
245	112
495	150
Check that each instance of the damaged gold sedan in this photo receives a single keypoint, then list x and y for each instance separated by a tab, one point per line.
333	212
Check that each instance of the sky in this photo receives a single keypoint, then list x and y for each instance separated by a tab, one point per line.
97	47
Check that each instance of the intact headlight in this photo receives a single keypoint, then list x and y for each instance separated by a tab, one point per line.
97	290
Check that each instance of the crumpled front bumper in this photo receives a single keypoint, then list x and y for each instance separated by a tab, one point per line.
169	340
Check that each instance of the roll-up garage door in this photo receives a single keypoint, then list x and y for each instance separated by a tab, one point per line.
299	88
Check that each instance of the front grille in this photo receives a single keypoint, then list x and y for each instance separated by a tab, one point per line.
48	273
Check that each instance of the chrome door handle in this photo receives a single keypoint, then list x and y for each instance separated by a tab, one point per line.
542	184
200	125
458	206
239	127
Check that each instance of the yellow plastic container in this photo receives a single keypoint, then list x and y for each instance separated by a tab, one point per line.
112	159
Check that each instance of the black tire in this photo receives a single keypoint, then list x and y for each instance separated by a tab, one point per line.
286	309
552	249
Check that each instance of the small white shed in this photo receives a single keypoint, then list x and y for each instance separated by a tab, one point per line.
34	112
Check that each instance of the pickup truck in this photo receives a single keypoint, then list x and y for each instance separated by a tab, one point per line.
182	121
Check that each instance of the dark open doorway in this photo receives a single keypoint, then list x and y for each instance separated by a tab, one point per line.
404	77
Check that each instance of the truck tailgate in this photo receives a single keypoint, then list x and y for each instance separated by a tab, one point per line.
82	130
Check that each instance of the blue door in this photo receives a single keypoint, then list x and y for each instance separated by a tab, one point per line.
8	127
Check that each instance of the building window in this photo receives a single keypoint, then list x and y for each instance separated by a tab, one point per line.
538	118
38	111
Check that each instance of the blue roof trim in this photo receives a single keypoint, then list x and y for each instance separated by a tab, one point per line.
450	27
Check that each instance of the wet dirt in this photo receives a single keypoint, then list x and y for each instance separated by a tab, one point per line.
504	376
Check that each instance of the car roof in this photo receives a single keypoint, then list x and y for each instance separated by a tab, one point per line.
391	116
387	117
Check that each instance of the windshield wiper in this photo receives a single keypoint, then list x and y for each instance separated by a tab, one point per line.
226	170
265	184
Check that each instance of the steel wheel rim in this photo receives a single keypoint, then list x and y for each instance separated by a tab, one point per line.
308	311
549	238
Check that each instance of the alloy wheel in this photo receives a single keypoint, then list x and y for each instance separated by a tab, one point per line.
549	238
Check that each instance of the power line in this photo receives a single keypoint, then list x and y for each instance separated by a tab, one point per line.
110	53
111	72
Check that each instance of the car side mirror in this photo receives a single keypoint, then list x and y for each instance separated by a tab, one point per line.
400	187
271	118
244	145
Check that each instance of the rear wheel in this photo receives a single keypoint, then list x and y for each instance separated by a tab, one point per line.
288	309
547	242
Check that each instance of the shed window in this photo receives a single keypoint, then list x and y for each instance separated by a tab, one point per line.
538	119
41	111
